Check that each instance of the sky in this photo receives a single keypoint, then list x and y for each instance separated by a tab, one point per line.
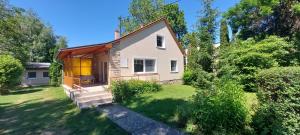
85	22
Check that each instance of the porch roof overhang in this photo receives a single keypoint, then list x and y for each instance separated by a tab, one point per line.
83	51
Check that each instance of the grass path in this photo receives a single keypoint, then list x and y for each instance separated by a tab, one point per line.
47	110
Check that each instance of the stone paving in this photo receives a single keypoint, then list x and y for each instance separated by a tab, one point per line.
135	123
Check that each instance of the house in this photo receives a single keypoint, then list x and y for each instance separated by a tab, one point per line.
151	52
36	74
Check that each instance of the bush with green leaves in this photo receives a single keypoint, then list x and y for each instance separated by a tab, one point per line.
243	59
279	111
55	73
123	90
11	71
198	78
221	110
183	114
189	77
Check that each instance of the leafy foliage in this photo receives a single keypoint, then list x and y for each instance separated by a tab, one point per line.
145	11
55	69
224	36
222	110
55	73
198	78
259	18
123	90
201	41
189	77
24	36
244	59
279	99
11	71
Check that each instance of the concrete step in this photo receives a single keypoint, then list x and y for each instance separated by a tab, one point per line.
89	93
91	103
93	97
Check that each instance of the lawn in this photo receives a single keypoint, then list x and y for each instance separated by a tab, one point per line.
47	110
162	105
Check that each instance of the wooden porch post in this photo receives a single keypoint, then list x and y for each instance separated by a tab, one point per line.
80	71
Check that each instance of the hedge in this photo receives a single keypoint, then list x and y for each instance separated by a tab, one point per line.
279	96
123	90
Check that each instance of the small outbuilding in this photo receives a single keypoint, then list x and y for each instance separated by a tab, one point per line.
36	74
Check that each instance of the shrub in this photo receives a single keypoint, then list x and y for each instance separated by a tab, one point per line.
203	80
189	77
183	114
11	71
198	78
243	60
221	110
125	89
279	112
55	74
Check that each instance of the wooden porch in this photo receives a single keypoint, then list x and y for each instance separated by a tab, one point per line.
85	66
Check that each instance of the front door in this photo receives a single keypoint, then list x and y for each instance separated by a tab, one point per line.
103	72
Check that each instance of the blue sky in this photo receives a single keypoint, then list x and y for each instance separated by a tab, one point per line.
94	21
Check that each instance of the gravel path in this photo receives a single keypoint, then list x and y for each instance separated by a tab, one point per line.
136	123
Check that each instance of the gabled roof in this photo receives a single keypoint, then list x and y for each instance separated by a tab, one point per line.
94	47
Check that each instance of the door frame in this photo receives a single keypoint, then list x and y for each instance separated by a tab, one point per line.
104	72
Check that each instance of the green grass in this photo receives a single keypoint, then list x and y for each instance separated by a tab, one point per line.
162	105
47	109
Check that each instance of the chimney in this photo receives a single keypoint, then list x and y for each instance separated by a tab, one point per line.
141	25
117	34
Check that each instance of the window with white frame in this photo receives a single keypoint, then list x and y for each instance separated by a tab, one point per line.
160	41
174	67
144	65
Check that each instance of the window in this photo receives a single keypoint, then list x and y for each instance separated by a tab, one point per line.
160	43
138	65
150	65
174	66
31	75
144	65
45	74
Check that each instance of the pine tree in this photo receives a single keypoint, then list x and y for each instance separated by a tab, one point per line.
206	29
224	37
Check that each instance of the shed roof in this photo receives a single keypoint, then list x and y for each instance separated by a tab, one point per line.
37	65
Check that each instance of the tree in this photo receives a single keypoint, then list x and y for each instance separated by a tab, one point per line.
261	18
146	11
176	18
224	36
11	36
10	73
55	71
206	30
60	44
24	36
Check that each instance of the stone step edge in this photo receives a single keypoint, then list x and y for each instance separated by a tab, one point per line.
83	106
90	98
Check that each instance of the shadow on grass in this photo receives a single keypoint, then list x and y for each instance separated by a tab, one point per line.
163	110
53	117
26	90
